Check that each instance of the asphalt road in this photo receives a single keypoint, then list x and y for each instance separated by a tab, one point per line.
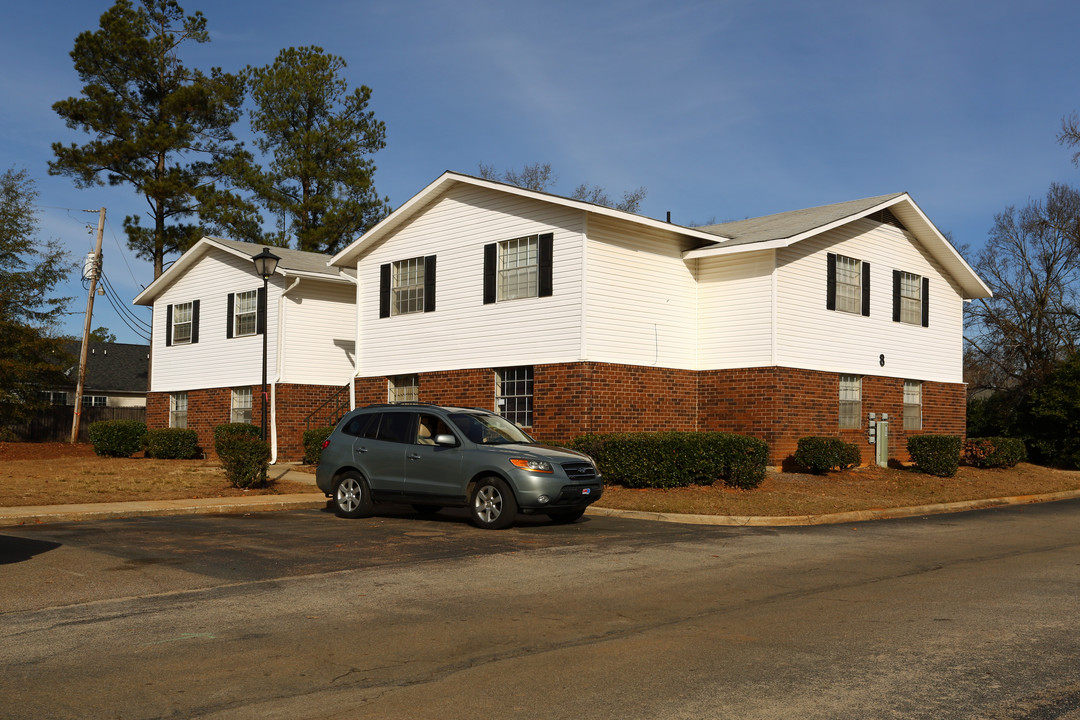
303	615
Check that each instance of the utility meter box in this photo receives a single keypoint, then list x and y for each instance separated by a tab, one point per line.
881	443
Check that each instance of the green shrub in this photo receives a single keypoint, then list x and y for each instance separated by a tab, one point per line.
819	455
230	429
313	441
935	454
116	438
994	452
172	444
245	459
676	459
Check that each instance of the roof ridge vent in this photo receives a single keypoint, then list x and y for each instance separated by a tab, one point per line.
885	216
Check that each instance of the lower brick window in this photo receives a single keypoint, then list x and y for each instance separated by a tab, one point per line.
912	405
178	410
514	394
850	402
241	405
403	388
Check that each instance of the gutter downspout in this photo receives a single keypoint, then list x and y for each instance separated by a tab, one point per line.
278	365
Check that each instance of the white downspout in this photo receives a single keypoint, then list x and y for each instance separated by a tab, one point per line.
278	366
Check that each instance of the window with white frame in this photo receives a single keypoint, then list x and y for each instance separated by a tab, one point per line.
848	284
181	323
519	267
54	397
403	388
912	405
910	298
514	394
241	405
95	400
178	410
407	286
246	313
850	402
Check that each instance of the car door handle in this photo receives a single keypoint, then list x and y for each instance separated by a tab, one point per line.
361	449
414	456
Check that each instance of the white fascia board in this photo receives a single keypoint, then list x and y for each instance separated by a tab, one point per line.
178	268
735	249
346	256
328	276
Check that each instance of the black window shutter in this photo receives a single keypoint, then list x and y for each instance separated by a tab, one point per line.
926	302
260	312
491	258
896	295
168	325
830	283
866	289
547	242
384	290
194	321
429	283
229	317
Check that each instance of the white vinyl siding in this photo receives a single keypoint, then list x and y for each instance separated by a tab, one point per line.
642	298
811	337
466	332
735	311
319	328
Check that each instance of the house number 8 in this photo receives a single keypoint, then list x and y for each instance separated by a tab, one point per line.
881	360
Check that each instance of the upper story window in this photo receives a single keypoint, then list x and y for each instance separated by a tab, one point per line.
407	286
518	268
848	285
182	324
245	313
403	388
514	394
911	301
850	402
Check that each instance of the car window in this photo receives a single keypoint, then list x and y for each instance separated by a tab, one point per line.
371	430
395	427
358	424
486	429
429	427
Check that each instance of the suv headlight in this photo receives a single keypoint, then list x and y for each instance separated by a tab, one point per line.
539	466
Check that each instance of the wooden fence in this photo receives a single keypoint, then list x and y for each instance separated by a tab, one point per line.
53	424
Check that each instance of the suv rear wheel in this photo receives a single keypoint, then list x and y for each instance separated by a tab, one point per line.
352	497
492	505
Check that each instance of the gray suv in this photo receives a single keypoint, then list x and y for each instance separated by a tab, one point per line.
433	457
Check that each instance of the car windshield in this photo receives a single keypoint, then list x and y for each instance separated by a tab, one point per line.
489	429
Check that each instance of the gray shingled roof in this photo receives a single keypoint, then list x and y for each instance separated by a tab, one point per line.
795	222
112	367
299	260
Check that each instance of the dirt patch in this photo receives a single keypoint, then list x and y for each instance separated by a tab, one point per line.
61	474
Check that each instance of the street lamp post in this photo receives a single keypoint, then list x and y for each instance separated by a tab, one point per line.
265	264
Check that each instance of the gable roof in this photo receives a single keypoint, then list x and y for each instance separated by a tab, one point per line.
415	205
787	228
293	263
111	367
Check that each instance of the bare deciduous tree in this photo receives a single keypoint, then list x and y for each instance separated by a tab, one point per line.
539	177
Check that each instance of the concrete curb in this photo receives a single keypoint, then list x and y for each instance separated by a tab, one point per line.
38	514
834	518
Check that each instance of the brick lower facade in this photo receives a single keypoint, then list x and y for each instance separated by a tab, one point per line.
778	405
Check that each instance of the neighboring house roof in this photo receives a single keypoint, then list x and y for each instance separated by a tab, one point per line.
762	233
111	367
293	263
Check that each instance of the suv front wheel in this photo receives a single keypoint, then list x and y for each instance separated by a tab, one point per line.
492	505
352	497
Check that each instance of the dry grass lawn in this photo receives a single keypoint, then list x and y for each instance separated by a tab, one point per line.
58	473
61	474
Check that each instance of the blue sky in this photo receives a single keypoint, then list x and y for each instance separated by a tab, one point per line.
722	109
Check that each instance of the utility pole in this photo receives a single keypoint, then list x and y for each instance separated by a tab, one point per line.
95	271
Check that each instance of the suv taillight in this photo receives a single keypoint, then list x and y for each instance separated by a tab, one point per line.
325	443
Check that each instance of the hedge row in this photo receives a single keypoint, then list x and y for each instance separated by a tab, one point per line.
994	452
171	444
676	459
935	454
819	455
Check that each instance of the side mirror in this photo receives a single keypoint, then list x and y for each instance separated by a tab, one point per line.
446	439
